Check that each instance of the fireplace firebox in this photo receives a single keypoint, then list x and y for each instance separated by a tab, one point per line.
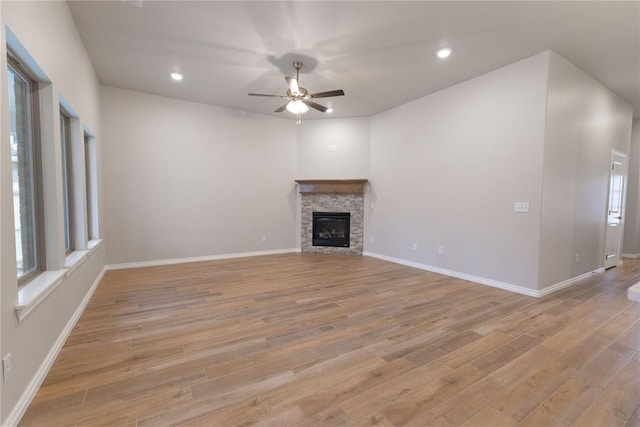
331	229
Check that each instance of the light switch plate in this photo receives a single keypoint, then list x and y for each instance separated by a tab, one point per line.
521	207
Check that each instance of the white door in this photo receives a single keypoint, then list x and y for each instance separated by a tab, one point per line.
613	249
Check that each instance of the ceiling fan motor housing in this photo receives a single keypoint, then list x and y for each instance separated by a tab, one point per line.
302	93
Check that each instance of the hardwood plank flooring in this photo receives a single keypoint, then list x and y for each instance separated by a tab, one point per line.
313	340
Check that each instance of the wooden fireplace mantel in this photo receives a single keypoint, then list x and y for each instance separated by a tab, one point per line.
332	186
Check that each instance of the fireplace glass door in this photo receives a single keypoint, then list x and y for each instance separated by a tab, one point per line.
331	229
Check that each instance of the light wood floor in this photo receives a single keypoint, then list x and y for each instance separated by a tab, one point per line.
305	340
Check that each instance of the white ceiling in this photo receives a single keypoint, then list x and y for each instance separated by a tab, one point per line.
381	53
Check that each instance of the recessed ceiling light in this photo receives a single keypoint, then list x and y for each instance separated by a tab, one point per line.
176	76
443	53
329	110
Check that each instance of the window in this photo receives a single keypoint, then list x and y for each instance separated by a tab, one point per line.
25	172
91	188
67	182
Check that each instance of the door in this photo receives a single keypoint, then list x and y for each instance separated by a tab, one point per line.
615	209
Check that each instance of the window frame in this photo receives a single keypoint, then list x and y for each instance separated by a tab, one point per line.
91	188
16	67
68	195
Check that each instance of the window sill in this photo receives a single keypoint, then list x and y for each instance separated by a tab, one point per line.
34	292
74	260
93	245
31	294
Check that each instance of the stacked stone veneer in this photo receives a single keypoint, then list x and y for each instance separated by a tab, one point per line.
352	203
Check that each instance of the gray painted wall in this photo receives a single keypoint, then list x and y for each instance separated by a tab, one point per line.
585	121
47	31
446	170
631	244
187	180
333	149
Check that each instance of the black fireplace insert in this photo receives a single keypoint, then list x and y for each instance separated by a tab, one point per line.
331	229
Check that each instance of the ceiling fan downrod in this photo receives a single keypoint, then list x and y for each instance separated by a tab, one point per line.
298	66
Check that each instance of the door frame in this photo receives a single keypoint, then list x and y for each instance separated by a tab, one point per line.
614	154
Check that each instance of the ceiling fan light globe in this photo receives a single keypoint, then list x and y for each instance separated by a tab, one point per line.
297	107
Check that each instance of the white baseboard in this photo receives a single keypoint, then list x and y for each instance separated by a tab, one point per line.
630	255
198	259
477	279
25	400
489	282
569	282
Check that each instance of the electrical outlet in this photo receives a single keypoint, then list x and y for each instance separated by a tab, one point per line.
263	238
577	258
7	367
415	246
440	250
333	148
373	205
371	239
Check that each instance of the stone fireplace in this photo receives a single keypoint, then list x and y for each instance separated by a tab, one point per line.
334	201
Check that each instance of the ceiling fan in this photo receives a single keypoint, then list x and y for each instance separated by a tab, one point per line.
299	97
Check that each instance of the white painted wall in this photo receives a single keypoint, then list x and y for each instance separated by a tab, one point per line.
446	170
632	225
47	31
585	121
333	149
189	180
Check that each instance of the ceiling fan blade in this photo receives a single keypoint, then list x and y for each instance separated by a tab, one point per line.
327	94
318	107
269	96
293	84
281	109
